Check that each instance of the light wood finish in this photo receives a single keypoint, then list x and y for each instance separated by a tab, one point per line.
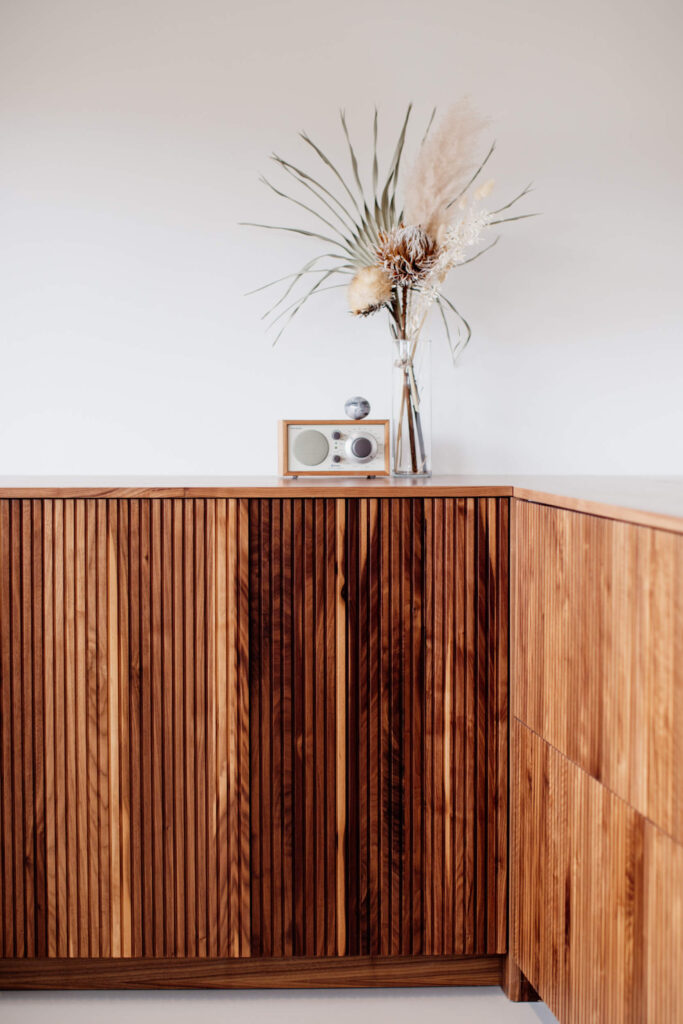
597	895
426	585
598	648
597	787
124	762
257	487
648	501
283	449
245	973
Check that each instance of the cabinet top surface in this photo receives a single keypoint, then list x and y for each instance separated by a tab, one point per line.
649	501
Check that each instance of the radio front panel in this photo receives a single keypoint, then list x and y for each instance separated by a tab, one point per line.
334	448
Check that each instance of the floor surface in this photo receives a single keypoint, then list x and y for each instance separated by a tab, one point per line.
360	1006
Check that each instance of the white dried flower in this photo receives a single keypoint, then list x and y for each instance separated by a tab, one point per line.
454	245
369	290
485	190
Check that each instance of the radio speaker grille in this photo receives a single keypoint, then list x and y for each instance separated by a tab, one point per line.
311	447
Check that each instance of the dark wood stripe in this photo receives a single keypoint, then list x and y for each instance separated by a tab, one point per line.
293	701
426	585
241	973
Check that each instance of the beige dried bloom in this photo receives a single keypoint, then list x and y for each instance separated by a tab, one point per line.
369	290
407	254
485	190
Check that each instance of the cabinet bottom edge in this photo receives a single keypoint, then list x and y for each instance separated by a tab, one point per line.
244	972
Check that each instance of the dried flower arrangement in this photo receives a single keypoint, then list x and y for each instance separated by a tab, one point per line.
398	257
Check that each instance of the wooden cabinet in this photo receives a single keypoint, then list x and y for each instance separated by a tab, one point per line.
597	747
241	729
259	737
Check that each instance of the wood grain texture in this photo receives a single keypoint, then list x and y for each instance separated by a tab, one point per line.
515	985
426	587
649	501
597	895
251	973
268	728
598	651
261	487
113	843
293	664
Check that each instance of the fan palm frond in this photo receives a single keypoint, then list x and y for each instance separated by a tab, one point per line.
356	219
360	217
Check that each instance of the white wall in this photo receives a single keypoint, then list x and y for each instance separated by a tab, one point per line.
133	134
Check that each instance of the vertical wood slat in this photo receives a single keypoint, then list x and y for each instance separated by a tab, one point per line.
148	633
95	596
426	584
295	604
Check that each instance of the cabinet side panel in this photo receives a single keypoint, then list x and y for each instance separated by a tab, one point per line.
596	895
663	926
598	642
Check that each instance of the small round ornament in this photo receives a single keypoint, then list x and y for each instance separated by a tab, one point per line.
357	407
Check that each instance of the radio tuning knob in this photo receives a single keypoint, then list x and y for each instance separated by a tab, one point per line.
361	448
336	434
336	458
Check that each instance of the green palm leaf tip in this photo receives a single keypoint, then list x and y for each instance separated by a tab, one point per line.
357	234
388	200
375	167
312	184
305	206
378	214
462	344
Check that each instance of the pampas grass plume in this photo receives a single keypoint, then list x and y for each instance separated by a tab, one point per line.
446	161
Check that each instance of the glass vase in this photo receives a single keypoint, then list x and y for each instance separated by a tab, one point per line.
411	414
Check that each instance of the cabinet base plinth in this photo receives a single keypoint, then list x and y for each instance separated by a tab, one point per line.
516	985
294	972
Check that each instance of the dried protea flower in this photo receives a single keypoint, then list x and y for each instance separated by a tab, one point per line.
368	291
407	254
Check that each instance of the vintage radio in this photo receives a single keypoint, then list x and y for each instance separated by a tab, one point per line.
334	447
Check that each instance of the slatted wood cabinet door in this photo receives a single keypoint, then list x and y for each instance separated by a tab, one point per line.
296	716
426	652
253	728
125	728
